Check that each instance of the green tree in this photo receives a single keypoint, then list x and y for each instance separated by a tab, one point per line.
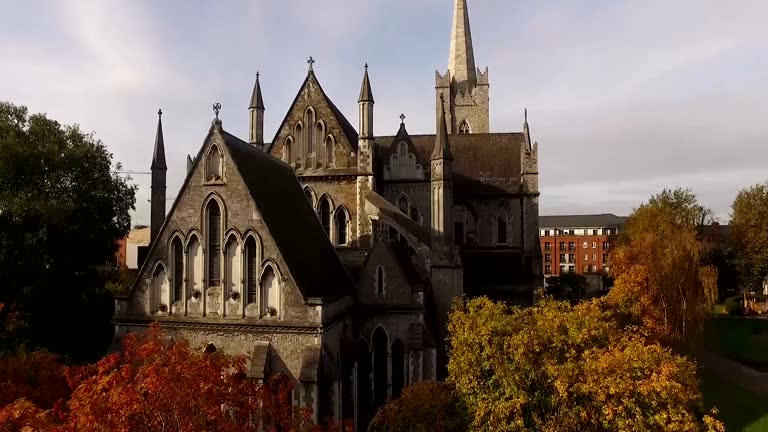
749	233
62	210
661	274
557	367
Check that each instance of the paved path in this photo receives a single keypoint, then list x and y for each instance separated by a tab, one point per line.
745	376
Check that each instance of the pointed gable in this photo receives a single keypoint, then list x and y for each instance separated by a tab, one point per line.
310	258
312	90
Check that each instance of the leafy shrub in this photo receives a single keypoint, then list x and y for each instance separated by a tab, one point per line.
732	305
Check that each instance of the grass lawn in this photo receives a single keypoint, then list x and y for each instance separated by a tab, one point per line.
739	338
740	409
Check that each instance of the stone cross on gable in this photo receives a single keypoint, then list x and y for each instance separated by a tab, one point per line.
311	61
402	118
216	109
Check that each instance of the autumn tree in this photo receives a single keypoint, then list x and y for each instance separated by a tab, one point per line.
156	383
427	406
62	209
557	367
749	233
568	286
659	267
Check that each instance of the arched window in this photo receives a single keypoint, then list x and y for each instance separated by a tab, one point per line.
324	213
402	204
398	368
161	289
287	150
329	151
464	127
213	164
317	139
415	215
298	133
270	293
470	226
341	220
194	266
379	281
234	271
177	249
252	270
309	120
380	366
214	244
210	348
310	196
502	220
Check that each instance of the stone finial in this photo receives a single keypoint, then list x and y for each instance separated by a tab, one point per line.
216	109
402	118
310	62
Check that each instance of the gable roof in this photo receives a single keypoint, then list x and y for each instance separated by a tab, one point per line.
311	259
582	221
346	127
482	163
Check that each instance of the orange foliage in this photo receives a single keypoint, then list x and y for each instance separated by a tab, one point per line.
424	406
155	384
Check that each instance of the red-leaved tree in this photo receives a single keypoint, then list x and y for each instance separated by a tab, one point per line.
155	384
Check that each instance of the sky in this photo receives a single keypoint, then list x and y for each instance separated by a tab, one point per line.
625	97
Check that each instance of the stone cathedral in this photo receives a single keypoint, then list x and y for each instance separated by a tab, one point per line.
333	255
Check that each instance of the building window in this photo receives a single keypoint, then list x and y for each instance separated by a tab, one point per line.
562	246
464	127
470	226
594	245
594	269
233	273
571	258
178	269
547	269
594	257
547	257
214	244
606	246
585	269
402	204
298	133
502	218
415	215
341	226
252	270
547	245
562	258
546	233
571	246
194	266
160	288
287	150
213	164
324	214
586	257
379	281
585	245
605	257
562	269
329	151
271	292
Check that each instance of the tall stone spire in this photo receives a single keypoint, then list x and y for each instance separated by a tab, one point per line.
256	101
158	186
366	95
256	117
158	157
461	59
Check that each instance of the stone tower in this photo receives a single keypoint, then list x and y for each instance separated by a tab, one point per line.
464	86
256	111
159	170
365	179
446	271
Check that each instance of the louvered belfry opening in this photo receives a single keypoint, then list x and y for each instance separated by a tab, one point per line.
214	244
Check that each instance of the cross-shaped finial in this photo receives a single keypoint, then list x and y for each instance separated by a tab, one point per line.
216	109
366	65
402	118
311	61
257	74
159	112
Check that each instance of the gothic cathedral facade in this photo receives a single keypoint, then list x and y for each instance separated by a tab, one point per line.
333	255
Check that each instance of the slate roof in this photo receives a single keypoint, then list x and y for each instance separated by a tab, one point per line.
346	127
582	221
260	360
310	363
483	163
306	249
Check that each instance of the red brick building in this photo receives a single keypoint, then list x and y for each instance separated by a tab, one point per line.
578	243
